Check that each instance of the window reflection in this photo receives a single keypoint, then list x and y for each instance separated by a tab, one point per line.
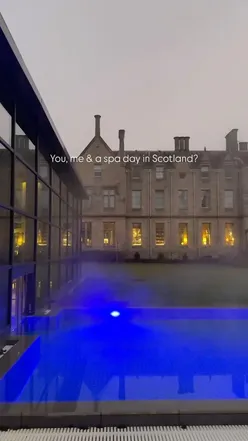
5	175
42	241
5	125
55	243
55	209
43	168
24	147
23	238
24	188
55	182
43	201
4	235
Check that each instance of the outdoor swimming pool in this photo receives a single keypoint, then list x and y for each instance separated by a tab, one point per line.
139	356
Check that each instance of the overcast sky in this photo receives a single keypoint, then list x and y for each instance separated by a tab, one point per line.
156	68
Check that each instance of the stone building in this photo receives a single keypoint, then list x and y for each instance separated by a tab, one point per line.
170	202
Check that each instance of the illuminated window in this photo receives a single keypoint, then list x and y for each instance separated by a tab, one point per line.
86	234
136	235
229	234
228	199
109	198
183	199
206	234
109	234
183	234
97	171
136	199
159	199
159	172
205	198
160	239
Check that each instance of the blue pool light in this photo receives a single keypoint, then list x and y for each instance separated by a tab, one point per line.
115	314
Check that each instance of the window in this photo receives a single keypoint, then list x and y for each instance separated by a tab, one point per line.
63	242
182	175
24	188
24	147
43	168
160	239
136	199
23	238
159	199
228	199
5	173
64	215
159	172
42	241
228	171
97	171
87	234
183	234
109	198
55	182
229	234
55	243
205	171
183	199
206	234
5	125
43	201
109	234
136	172
4	235
87	203
136	235
55	209
205	198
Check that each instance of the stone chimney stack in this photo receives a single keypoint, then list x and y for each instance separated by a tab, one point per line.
177	143
186	143
121	144
232	141
97	125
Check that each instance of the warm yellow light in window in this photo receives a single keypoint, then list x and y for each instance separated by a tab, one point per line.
24	186
206	236
136	237
105	240
88	242
184	239
229	236
40	240
64	241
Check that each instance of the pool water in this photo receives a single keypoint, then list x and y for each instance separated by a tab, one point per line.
86	356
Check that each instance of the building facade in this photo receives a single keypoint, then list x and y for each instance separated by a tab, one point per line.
171	202
40	201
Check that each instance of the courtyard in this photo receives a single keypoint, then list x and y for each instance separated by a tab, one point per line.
172	285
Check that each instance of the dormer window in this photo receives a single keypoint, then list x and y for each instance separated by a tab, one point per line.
97	171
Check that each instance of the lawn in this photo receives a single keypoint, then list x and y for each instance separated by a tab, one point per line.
169	285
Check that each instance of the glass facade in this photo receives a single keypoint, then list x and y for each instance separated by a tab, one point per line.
40	217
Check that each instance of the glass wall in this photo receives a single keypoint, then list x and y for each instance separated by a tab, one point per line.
24	147
39	217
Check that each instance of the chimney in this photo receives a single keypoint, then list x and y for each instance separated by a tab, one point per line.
186	143
243	146
177	143
121	144
97	125
232	141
